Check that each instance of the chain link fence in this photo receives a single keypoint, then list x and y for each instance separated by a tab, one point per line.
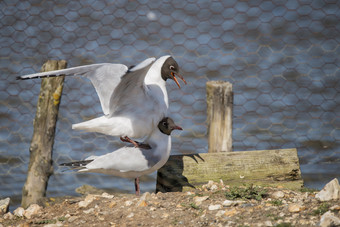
281	56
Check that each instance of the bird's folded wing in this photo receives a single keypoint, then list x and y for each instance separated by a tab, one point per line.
104	77
131	89
124	159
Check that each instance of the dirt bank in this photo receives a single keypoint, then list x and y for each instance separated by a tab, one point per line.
210	205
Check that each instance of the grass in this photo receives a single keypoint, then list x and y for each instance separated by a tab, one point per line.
191	205
276	202
49	221
246	193
323	208
308	189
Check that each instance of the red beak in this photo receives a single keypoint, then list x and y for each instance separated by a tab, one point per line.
175	79
177	127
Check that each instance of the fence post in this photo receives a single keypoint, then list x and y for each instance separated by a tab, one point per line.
219	115
40	165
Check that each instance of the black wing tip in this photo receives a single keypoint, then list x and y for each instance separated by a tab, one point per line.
76	163
37	77
131	67
21	78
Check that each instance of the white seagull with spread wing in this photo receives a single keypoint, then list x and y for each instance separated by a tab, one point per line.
133	99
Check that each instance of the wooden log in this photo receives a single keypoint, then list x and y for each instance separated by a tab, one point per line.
40	165
219	115
263	167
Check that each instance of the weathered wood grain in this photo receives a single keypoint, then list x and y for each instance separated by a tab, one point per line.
263	167
219	115
40	165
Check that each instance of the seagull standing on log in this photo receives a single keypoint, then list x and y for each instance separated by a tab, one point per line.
133	99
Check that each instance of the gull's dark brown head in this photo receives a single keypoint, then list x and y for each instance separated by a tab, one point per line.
167	125
170	71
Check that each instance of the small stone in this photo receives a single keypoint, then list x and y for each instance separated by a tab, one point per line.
72	219
229	203
304	222
142	203
268	223
101	218
67	216
278	195
220	213
107	195
190	193
4	204
112	204
91	210
165	215
208	185
130	215
145	196
88	199
335	207
128	203
214	207
199	199
19	212
8	216
213	187
246	205
329	219
232	223
331	191
305	195
54	225
230	213
282	214
294	208
33	209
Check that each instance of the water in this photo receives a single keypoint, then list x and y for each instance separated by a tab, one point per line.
281	57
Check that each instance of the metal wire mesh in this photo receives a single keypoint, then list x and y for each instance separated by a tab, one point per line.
281	56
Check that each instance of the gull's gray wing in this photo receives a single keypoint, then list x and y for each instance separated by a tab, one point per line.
104	77
124	159
105	80
79	70
131	91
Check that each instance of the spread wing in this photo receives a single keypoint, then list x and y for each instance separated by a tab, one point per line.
131	90
104	77
105	80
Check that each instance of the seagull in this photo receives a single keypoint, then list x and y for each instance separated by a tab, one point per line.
133	99
133	162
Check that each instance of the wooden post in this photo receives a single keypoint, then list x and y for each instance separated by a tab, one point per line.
219	115
40	165
263	167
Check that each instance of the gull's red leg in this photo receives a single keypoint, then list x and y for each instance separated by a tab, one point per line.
137	186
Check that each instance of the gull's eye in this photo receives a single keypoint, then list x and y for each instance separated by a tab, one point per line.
172	67
165	124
